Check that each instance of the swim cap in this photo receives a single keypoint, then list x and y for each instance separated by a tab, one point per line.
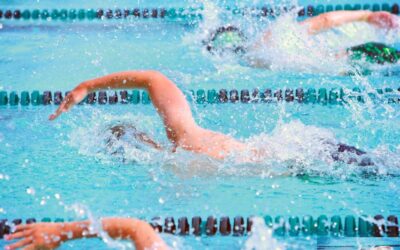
375	53
227	38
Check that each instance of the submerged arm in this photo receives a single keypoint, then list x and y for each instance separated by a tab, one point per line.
168	100
51	235
337	18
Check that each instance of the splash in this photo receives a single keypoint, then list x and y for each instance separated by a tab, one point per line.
292	148
214	17
297	149
261	237
96	228
289	46
93	137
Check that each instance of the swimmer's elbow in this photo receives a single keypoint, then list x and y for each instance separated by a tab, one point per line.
154	77
326	20
157	80
320	23
154	73
144	78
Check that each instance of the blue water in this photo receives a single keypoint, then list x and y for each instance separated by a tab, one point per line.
50	168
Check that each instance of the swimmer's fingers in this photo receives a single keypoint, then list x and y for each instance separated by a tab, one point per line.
19	234
66	104
74	97
24	242
30	247
22	227
57	113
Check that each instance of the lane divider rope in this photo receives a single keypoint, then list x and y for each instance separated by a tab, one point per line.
172	13
292	226
307	96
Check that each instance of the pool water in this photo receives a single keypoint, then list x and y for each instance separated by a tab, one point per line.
64	168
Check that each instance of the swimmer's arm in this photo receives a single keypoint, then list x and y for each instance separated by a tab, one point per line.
337	18
334	19
324	22
52	235
168	100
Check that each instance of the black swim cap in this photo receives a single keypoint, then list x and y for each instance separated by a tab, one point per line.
226	38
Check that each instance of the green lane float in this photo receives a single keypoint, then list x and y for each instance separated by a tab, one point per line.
294	226
323	225
25	98
321	96
336	226
350	226
14	98
3	98
180	13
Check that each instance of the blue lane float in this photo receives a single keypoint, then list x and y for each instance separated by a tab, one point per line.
174	13
292	226
320	96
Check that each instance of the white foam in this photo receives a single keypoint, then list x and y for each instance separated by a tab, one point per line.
261	237
292	148
92	138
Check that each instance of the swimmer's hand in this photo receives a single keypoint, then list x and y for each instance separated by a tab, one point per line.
37	236
383	19
74	97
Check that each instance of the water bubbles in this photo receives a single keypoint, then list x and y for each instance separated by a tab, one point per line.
70	234
161	200
96	62
57	196
80	212
275	186
4	177
30	191
25	163
327	195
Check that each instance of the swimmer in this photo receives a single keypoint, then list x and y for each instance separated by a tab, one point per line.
231	39
179	124
52	235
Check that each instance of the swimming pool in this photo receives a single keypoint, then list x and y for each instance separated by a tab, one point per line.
62	169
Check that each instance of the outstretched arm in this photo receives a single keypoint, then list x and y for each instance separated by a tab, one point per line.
168	100
336	18
329	20
51	235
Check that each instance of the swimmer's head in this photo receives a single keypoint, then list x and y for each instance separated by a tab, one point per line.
119	131
226	39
